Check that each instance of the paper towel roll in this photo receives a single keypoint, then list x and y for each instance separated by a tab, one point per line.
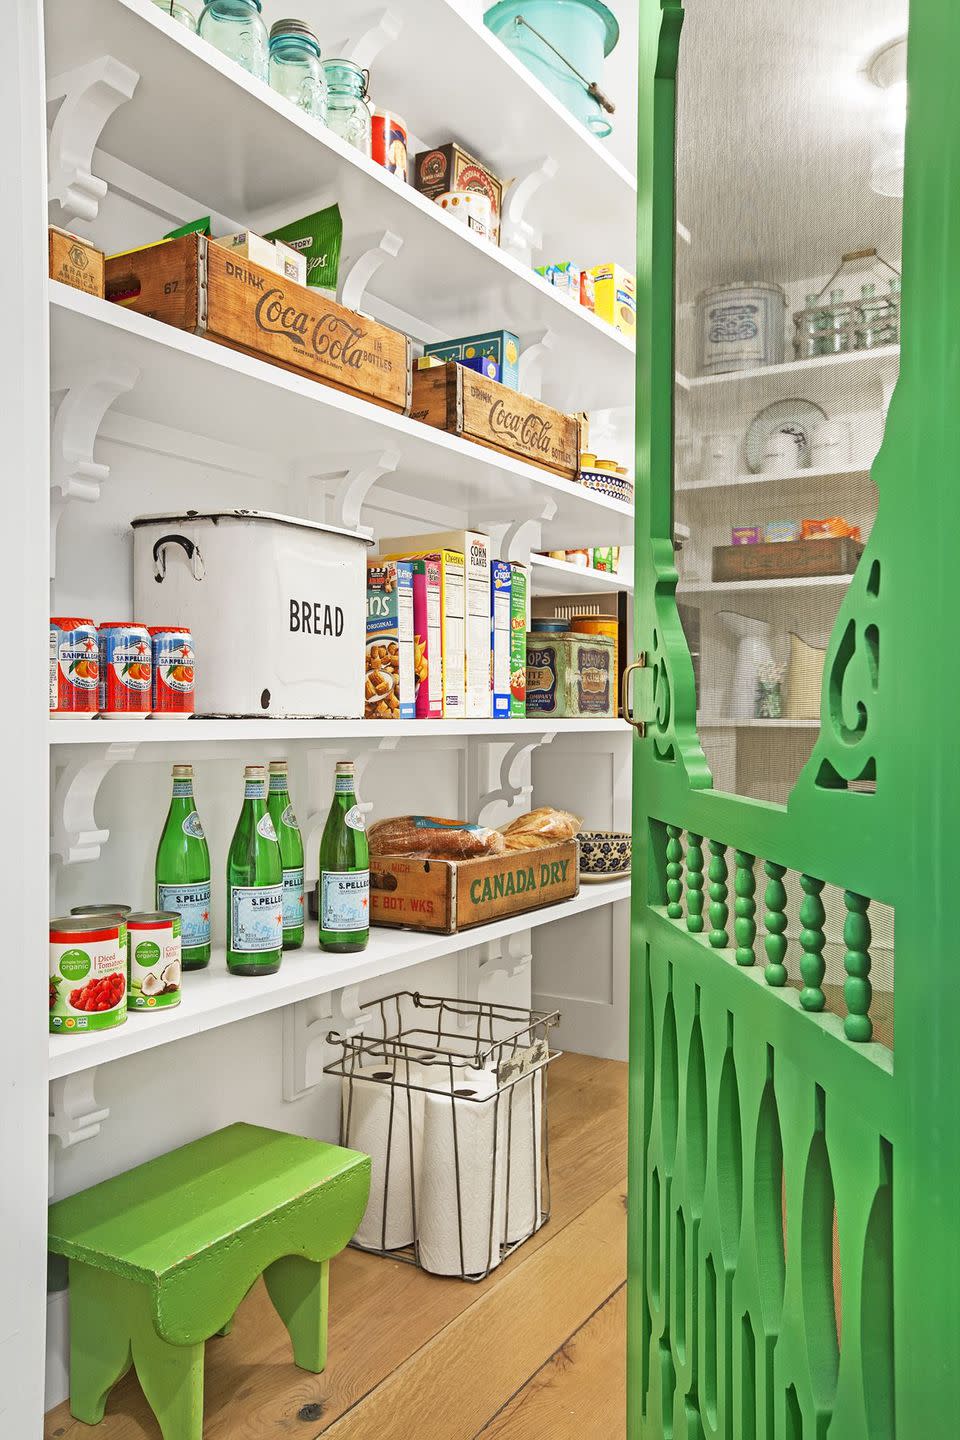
522	1174
368	1127
480	1143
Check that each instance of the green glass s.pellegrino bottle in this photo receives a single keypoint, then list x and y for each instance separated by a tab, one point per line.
182	871
284	820
254	884
344	870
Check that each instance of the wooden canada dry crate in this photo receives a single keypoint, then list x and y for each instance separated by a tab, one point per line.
456	399
451	895
197	285
789	560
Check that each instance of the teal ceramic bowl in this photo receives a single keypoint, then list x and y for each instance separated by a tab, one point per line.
604	854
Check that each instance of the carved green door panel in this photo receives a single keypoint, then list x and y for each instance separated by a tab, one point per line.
794	1271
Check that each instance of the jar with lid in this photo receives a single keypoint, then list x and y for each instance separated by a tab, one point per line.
296	70
347	112
236	29
179	11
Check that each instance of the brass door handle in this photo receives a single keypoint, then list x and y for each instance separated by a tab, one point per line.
638	722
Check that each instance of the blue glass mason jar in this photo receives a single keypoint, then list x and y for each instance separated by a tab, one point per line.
347	112
296	71
236	29
178	10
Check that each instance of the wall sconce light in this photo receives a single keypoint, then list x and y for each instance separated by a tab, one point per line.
888	71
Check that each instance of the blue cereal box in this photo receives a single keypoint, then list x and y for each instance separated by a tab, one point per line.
500	636
390	683
499	345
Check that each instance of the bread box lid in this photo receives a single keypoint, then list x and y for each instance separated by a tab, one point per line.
215	516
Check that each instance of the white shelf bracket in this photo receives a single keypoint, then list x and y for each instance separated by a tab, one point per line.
90	94
74	1113
314	823
349	483
535	349
75	836
74	473
523	534
305	1028
358	268
508	957
517	235
514	788
382	28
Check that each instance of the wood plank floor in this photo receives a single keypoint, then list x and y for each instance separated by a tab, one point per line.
535	1349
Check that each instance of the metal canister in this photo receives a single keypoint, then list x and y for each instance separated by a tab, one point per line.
126	669
600	625
88	974
153	940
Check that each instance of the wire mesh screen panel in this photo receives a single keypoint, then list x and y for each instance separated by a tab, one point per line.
790	133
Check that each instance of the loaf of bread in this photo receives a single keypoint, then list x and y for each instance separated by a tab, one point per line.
433	838
543	826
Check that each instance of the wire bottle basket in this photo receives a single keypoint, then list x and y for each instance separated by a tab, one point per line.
832	324
449	1099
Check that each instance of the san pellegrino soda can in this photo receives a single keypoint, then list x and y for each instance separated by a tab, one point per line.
74	666
291	853
182	871
344	870
125	669
173	670
254	884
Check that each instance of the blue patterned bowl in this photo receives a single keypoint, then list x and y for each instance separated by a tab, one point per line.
604	853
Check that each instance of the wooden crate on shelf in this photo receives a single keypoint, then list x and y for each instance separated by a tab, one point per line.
450	895
197	285
75	262
458	400
790	560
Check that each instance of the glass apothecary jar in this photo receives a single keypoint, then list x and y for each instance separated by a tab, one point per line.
296	70
179	11
236	29
347	111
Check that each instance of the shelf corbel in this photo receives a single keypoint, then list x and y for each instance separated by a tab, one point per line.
517	235
515	787
74	1115
306	1026
347	482
536	346
75	836
381	28
361	263
516	540
89	95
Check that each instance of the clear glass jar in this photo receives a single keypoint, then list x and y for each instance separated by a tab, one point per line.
839	340
347	112
296	71
236	29
177	10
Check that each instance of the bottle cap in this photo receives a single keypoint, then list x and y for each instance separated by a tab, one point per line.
278	767
254	772
293	27
183	772
344	767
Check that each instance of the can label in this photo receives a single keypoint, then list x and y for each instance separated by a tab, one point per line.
256	918
344	900
74	666
88	980
192	903
154	950
125	670
173	670
293	899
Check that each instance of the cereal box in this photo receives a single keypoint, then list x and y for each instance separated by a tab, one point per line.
389	687
452	618
501	346
500	638
518	642
427	641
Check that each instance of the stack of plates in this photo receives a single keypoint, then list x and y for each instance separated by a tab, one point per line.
607	482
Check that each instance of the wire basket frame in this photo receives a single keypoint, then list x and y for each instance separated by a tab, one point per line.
482	1065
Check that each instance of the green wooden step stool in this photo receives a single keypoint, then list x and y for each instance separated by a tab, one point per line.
161	1257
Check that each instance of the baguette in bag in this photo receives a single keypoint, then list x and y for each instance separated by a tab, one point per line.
543	826
433	838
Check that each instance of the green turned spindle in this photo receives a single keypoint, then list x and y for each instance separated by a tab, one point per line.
744	906
694	883
674	873
857	990
812	941
775	922
717	876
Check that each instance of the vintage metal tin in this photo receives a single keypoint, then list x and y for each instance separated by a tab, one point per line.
740	327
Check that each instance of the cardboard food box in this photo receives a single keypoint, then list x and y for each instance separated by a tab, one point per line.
518	642
75	262
427	639
271	254
790	560
196	285
452	620
501	346
389	687
450	167
454	399
501	585
451	895
474	549
615	297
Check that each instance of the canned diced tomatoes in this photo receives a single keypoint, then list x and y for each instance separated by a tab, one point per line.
74	666
173	670
125	669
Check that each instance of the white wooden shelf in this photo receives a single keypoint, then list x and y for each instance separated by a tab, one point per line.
706	588
195	386
213	997
705	723
75	730
849	477
819	380
195	113
559	577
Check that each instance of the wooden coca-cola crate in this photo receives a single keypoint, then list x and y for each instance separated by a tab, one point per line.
789	560
451	895
456	399
197	285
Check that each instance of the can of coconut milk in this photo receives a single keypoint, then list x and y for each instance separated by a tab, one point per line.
153	940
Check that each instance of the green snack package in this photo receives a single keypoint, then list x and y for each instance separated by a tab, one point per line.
195	227
319	237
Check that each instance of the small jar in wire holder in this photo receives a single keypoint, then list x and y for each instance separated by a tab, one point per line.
857	309
449	1098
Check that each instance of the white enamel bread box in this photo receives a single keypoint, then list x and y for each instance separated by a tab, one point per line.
277	607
